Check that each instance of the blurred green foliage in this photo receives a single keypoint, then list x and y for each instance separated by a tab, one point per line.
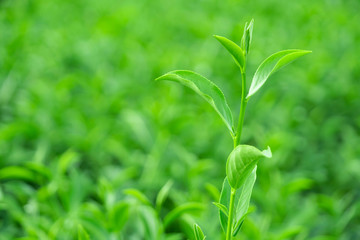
82	122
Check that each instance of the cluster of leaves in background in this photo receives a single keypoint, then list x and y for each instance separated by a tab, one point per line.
76	82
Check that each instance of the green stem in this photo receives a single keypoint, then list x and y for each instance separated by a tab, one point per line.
236	143
231	212
242	109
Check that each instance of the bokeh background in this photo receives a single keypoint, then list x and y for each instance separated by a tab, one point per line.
87	139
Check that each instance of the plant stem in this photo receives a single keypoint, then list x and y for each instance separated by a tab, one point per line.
236	143
242	108
231	212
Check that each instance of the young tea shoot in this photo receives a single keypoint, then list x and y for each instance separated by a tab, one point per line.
242	162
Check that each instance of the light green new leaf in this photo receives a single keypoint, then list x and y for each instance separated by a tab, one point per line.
222	208
241	162
247	36
180	210
234	50
199	235
206	89
225	201
244	201
271	65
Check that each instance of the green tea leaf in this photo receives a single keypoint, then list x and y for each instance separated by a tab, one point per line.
199	235
236	52
244	201
271	65
20	173
206	89
247	36
150	223
241	162
224	200
118	216
180	210
222	208
162	195
138	195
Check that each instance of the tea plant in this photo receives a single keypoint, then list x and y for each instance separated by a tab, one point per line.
242	162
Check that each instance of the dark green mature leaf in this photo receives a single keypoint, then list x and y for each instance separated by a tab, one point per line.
271	65
244	201
199	235
180	210
234	50
241	162
206	89
247	36
224	200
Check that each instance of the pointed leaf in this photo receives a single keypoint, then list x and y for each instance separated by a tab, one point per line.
241	162
222	208
206	89
199	235
271	65
236	52
244	201
267	152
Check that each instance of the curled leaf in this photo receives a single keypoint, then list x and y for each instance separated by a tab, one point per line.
241	162
247	36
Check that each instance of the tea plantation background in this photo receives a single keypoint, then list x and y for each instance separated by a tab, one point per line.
88	139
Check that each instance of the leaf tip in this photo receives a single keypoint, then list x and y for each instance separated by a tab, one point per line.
267	152
251	24
217	37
